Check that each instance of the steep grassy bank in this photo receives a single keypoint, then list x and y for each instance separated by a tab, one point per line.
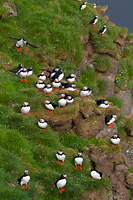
59	28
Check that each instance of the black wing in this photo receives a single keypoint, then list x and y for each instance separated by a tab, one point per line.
92	21
32	45
14	38
101	30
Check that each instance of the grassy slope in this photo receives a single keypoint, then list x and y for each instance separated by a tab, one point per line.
57	26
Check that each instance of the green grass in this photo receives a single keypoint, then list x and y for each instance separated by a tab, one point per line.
102	64
60	30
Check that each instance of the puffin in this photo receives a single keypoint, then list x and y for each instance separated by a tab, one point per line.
42	76
25	108
115	139
23	180
95	5
110	119
78	1
56	83
94	20
42	123
47	89
29	71
83	6
40	84
70	98
62	102
96	174
78	160
101	103
20	43
68	86
85	92
50	106
60	156
60	183
71	78
102	30
16	70
23	73
56	73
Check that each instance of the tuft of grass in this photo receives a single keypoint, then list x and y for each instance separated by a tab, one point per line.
102	64
116	101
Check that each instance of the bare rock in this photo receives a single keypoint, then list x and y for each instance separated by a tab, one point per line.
129	180
127	150
61	125
126	98
107	132
12	10
109	78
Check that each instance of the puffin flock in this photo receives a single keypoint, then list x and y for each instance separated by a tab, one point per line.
55	77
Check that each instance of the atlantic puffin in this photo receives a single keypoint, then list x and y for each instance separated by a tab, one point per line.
23	73
101	103
95	5
115	139
96	174
85	92
23	180
83	6
29	71
47	89
20	43
40	84
102	30
70	98
50	106
56	73
71	78
25	108
42	123
62	102
60	183
78	1
94	20
60	156
110	119
68	86
16	69
42	76
78	160
56	83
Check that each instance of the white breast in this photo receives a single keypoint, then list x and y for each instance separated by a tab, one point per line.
56	85
25	110
83	93
29	73
78	161
61	183
70	89
42	77
62	102
83	7
19	43
47	90
22	74
61	76
95	175
49	106
40	86
60	157
115	141
111	121
25	180
42	125
71	80
103	105
70	101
